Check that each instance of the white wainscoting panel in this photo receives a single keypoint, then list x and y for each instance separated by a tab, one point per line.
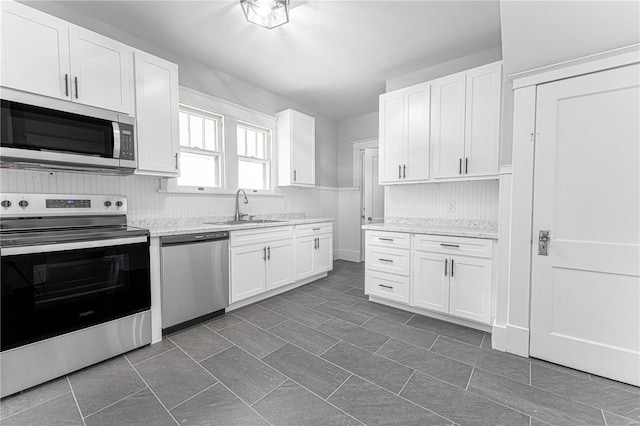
473	200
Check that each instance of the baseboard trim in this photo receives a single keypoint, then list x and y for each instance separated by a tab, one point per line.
499	337
350	255
517	340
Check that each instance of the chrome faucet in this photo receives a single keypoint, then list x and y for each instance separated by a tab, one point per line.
239	216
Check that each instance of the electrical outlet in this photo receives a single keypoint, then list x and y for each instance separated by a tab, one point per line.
451	206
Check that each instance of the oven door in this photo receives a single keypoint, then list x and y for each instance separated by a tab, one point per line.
51	290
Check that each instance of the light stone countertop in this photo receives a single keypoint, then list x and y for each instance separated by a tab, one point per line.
165	227
449	227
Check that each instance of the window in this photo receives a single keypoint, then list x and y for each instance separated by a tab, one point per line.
201	155
254	156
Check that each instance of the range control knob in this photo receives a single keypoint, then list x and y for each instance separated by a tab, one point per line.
107	203
23	203
118	203
5	203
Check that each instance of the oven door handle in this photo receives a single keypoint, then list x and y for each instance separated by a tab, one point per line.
47	248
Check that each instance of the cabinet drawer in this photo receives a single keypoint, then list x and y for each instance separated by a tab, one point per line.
313	229
454	245
256	236
389	239
386	259
387	286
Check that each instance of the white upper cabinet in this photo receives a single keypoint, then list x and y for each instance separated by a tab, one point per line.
296	136
404	135
465	123
157	112
101	71
47	56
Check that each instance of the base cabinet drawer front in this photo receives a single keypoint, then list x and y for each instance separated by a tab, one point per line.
383	259
454	245
313	229
389	239
430	281
248	272
256	236
470	288
279	264
387	286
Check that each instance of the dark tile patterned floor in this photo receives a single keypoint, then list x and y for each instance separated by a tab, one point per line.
322	354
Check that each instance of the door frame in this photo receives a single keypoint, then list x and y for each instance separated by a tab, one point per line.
358	147
513	335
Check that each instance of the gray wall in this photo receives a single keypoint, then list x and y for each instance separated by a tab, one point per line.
350	130
199	77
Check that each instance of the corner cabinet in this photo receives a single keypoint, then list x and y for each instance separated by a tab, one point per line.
157	112
465	123
404	135
47	56
313	248
296	138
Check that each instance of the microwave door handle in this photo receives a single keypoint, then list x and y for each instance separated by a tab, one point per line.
116	139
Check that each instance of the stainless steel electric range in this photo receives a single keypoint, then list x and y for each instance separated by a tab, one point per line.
75	285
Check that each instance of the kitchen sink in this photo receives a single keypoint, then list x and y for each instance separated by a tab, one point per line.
245	222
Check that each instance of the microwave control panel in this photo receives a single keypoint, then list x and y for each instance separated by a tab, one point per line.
127	147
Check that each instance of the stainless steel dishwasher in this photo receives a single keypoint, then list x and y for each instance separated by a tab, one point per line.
195	278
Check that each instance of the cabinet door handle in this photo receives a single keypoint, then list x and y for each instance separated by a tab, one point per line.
449	245
460	167
385	286
399	171
294	175
404	171
264	254
452	267
466	165
66	84
176	160
386	260
386	239
315	243
446	261
318	243
75	79
269	253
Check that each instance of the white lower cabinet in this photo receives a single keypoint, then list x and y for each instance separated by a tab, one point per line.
313	249
470	288
278	264
431	281
248	271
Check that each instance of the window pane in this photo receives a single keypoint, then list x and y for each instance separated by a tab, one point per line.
251	143
242	146
195	127
199	170
210	135
251	175
260	149
184	129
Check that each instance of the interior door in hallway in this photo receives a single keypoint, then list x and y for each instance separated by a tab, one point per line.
372	193
585	292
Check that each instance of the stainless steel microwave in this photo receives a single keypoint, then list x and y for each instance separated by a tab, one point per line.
34	136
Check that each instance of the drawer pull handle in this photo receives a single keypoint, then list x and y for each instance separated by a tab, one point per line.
386	260
315	229
450	245
385	286
386	239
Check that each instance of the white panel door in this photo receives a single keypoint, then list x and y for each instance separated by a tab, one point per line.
430	281
447	125
156	115
482	120
101	71
248	271
324	253
415	166
585	297
305	255
35	51
303	148
279	263
391	136
470	288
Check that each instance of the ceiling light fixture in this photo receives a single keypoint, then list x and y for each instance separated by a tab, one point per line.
266	13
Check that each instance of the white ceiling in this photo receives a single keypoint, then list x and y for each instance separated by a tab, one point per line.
333	57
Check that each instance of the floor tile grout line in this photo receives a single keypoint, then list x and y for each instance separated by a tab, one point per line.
151	390
434	343
336	389
36	405
530	375
604	418
483	337
226	387
407	382
332	346
151	357
191	397
114	403
469	381
224	328
383	345
219	352
73	394
407	321
271	391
